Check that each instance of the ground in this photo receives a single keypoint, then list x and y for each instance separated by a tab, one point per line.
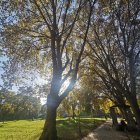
31	130
91	128
107	132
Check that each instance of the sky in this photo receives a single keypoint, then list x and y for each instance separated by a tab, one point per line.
15	88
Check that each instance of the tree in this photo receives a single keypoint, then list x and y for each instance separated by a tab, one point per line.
18	106
126	21
68	105
116	52
33	30
6	108
43	111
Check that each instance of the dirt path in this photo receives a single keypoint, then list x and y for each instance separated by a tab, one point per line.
106	132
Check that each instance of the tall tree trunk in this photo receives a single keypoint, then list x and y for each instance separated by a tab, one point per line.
125	110
113	116
135	108
49	130
127	114
130	117
124	114
73	111
132	98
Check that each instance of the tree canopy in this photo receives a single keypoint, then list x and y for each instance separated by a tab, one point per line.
94	43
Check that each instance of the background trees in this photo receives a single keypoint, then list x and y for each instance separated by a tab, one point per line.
15	107
116	49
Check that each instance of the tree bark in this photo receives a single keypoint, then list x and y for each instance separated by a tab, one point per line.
73	111
136	110
127	114
113	116
49	130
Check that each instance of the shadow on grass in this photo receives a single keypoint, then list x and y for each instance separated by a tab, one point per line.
69	129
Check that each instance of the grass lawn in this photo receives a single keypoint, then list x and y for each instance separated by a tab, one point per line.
31	130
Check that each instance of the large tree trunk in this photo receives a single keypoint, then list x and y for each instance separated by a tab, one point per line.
113	116
73	113
130	117
124	114
49	130
132	98
127	115
125	110
136	109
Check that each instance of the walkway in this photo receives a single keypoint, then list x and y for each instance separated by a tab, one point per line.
106	132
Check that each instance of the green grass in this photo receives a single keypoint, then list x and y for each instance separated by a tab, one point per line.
21	130
31	130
